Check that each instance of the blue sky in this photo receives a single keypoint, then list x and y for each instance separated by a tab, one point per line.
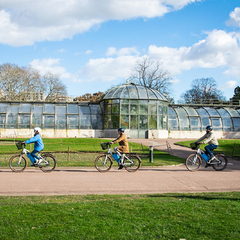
94	44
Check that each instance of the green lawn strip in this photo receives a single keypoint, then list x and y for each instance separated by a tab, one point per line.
225	146
83	153
152	216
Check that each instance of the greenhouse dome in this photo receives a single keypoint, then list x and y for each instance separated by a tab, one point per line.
135	108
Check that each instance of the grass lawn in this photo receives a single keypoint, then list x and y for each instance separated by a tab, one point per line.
83	152
156	216
225	145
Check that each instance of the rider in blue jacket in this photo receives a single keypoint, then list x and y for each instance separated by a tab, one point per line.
38	146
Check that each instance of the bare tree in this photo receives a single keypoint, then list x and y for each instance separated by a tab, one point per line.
53	87
203	89
149	73
20	83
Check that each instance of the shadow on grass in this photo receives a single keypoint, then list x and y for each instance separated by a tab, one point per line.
199	196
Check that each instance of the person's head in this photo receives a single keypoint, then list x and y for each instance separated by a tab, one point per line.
37	130
120	131
209	128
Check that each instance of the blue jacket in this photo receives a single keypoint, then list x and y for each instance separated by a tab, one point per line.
38	143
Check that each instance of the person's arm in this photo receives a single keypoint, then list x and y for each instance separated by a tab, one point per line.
201	138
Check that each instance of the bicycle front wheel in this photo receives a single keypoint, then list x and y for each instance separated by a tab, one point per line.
103	163
48	163
193	162
17	163
221	163
132	163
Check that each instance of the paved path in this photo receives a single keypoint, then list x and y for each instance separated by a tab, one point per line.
69	181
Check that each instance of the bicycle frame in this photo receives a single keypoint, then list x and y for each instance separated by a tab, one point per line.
199	152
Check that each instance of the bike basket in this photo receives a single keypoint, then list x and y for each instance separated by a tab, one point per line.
104	146
194	146
19	145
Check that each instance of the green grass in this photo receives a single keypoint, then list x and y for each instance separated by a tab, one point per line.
225	146
83	152
156	216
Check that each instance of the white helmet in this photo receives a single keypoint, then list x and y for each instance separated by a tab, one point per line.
37	129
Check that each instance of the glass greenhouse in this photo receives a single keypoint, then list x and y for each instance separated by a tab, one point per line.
143	112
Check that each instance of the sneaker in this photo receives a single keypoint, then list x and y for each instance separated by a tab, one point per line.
120	166
210	160
34	164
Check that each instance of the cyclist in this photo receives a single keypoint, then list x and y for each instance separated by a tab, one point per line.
38	146
212	141
123	145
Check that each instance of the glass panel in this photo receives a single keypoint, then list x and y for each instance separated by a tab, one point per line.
115	108
96	121
184	124
153	122
151	95
160	108
61	120
226	119
172	123
233	112
3	107
217	124
125	93
160	122
117	94
72	108
2	120
49	121
124	101
181	112
125	121
165	121
85	121
115	121
72	121
37	115
205	120
152	107
143	107
110	93
171	112
212	112
24	121
133	92
143	124
134	108
142	92
191	111
95	109
107	122
25	108
195	123
49	108
124	108
134	122
107	108
236	124
84	110
12	116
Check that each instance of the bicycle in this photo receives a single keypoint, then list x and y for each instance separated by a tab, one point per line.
18	163
103	163
194	161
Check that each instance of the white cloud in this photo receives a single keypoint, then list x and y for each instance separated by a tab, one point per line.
234	17
50	65
88	52
24	23
121	52
229	84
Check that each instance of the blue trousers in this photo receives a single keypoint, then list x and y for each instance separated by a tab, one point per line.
32	156
209	149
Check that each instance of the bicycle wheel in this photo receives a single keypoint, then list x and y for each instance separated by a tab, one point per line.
193	162
132	163
219	166
48	163
16	164
103	163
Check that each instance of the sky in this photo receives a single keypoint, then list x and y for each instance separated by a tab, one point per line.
94	45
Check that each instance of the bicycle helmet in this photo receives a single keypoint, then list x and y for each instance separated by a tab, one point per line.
37	129
209	127
121	130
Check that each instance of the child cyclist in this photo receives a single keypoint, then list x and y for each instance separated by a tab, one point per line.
38	146
123	145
